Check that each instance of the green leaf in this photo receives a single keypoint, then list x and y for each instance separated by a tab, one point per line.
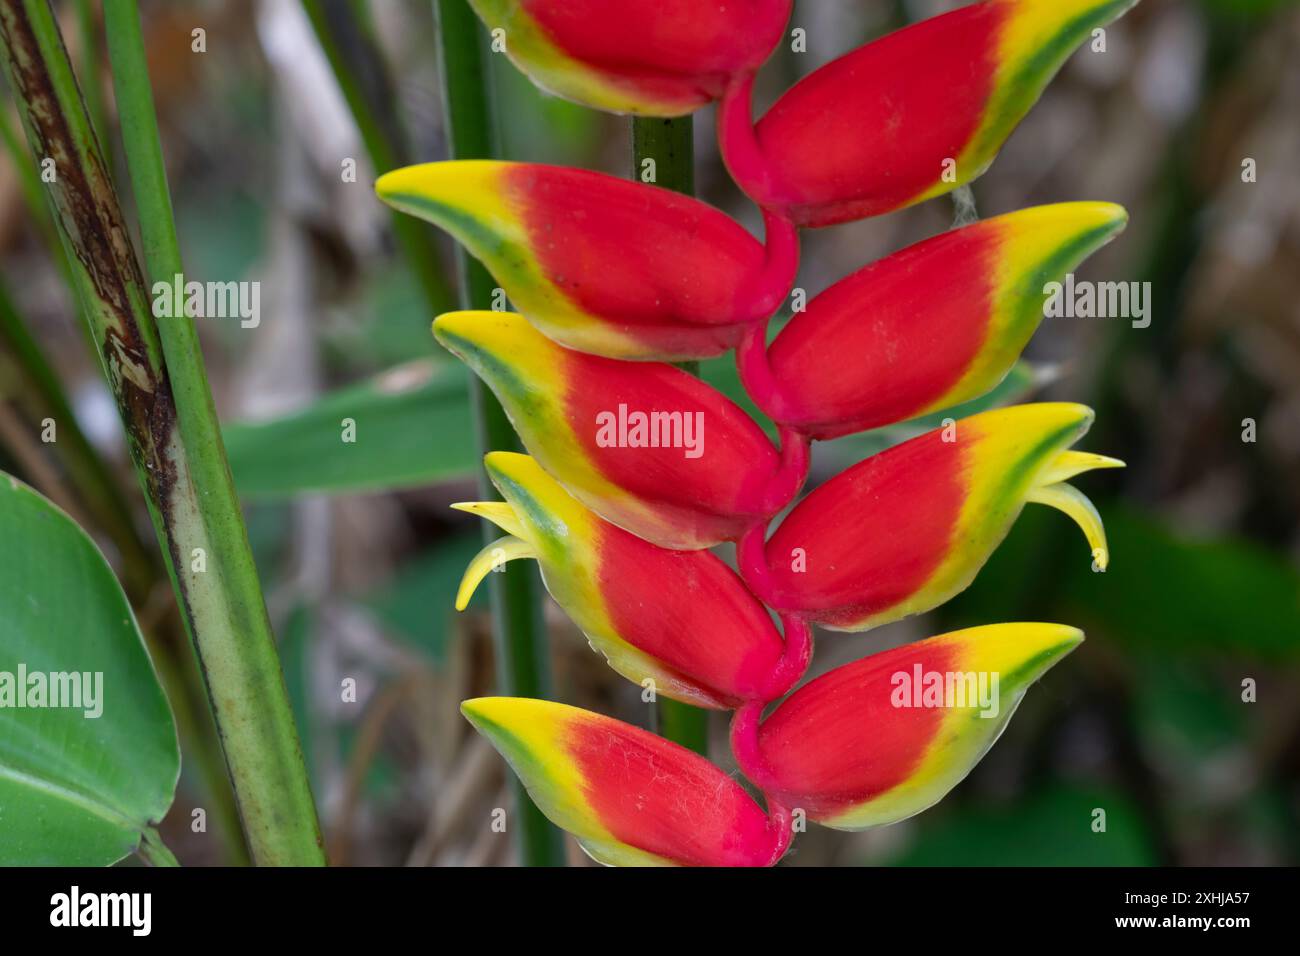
1052	828
75	790
1169	592
411	427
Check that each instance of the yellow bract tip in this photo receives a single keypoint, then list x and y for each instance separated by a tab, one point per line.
493	557
500	513
1074	503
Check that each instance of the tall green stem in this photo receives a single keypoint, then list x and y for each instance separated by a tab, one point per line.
670	145
157	376
523	669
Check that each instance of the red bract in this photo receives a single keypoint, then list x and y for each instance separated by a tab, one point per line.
925	329
885	737
644	445
908	117
601	264
905	530
654	57
680	622
630	798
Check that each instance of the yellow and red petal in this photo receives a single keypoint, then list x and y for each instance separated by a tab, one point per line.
905	530
681	619
601	264
643	444
629	797
910	116
927	328
883	738
665	58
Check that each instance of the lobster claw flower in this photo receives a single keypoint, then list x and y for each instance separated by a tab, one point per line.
883	738
665	58
645	445
907	117
903	531
601	264
681	619
629	797
937	324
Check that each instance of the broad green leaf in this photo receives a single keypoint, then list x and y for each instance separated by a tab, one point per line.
1165	592
1170	591
1052	828
410	426
80	784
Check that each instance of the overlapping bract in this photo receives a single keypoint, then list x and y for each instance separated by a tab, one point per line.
637	466
629	797
644	445
924	329
652	57
601	264
907	117
907	529
680	619
883	738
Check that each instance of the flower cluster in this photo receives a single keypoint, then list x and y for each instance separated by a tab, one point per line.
636	468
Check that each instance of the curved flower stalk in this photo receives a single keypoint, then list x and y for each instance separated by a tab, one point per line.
924	329
630	798
905	530
604	265
637	466
907	117
681	619
660	58
644	445
883	738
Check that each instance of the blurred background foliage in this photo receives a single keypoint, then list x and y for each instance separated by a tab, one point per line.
360	555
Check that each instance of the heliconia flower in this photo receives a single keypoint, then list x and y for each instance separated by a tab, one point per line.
664	58
645	445
629	797
883	738
681	619
910	116
602	264
903	531
937	324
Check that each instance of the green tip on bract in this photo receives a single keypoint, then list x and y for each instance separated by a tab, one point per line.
479	712
1065	640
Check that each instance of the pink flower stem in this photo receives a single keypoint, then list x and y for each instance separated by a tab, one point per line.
738	142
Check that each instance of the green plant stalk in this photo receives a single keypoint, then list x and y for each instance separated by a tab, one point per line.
91	66
670	143
519	636
234	637
363	79
153	851
170	424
